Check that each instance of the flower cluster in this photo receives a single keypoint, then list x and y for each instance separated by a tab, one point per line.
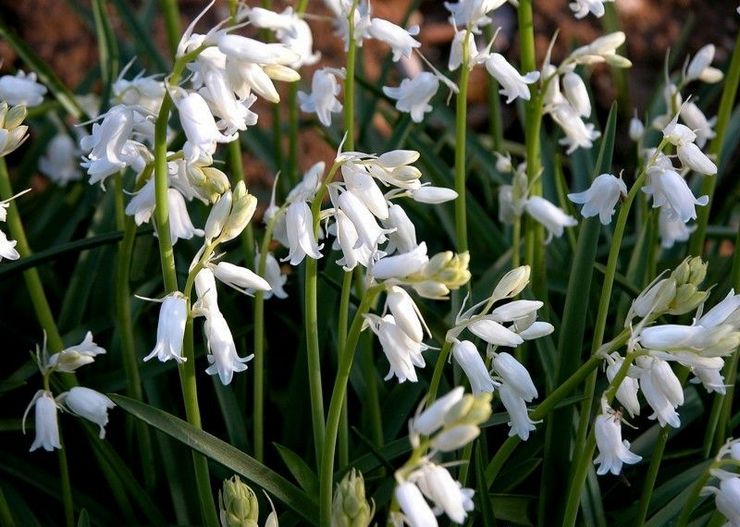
727	491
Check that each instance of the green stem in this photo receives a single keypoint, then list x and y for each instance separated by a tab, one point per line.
349	82
341	342
461	117
171	15
69	511
31	276
346	357
696	243
516	229
311	320
126	330
161	210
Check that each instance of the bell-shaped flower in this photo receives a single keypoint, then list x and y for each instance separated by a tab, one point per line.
403	235
234	114
181	226
205	287
495	333
710	378
438	485
370	233
88	404
47	426
725	312
628	388
462	49
323	97
552	217
22	88
240	278
582	8
70	359
366	190
576	93
698	122
514	375
672	229
147	92
416	510
403	353
601	197
171	328
401	40
413	95
60	162
289	29
636	129
727	499
200	128
513	84
433	195
670	190
692	157
405	313
348	241
7	248
401	265
222	355
471	362
603	49
700	67
613	451
520	424
301	238
662	390
433	417
536	330
578	134
516	310
394	168
273	275
472	12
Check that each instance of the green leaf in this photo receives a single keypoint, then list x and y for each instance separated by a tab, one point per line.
220	451
484	500
84	519
302	473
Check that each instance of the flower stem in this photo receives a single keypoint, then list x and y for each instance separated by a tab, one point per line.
341	342
311	320
349	81
339	392
31	276
461	117
438	368
171	15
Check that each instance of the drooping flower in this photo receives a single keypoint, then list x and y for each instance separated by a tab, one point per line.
60	163
472	12
552	217
613	451
670	190
47	426
581	8
447	494
576	93
274	277
223	358
401	40
672	229
415	508
22	88
171	329
200	128
89	404
240	278
700	67
662	390
698	122
513	84
628	388
578	134
70	359
471	362
323	97
601	197
520	424
514	375
289	29
401	265
413	95
727	499
301	237
403	352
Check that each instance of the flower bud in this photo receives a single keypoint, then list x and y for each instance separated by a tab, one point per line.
656	299
433	195
494	333
687	299
14	116
512	283
237	503
242	210
698	270
456	437
401	265
467	356
350	508
217	216
637	129
431	419
240	278
576	93
701	61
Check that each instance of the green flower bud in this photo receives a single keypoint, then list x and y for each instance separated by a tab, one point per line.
242	210
350	508
687	299
237	504
698	271
682	272
14	117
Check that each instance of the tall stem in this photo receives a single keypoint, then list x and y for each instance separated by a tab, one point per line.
461	117
342	322
311	320
349	81
346	357
171	23
31	276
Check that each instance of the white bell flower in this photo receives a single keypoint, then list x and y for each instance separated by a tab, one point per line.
725	312
472	12
171	329
70	359
520	424
578	134
536	330
710	378
222	357
433	195
700	67
495	333
364	188
415	508
514	375
348	241
239	278
200	128
47	426
601	197
670	190
401	40
692	157
448	496
628	388
273	276
413	95
405	313
433	417
672	229
515	310
727	499
401	265
662	390
553	218
698	122
301	238
403	237
141	206
369	232
245	49
462	49
323	97
471	362
60	162
7	248
289	29
88	404
403	353
147	92
576	93
602	49
582	8
205	287
181	227
636	129
513	84
22	88
613	451
235	114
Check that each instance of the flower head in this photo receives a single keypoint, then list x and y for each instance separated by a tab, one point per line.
613	451
601	197
89	404
47	426
171	329
513	84
413	95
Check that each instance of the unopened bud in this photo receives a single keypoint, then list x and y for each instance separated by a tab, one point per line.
237	503
68	361
456	437
242	210
654	300
350	508
687	298
14	117
217	216
698	270
512	283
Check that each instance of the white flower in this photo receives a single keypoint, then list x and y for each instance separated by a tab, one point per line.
413	95
401	265
710	378
240	278
403	353
662	390
495	333
146	92
576	93
725	312
21	88
205	287
88	404
222	357
462	49
399	39
578	134
405	313
472	12
181	227
601	197
369	232
727	499
60	163
602	49
698	122
514	375
433	195
513	84
73	357
521	425
700	67
672	229
613	451
290	29
581	8
200	128
471	362
403	238
441	488
536	330
416	510
552	217
692	157
7	248
353	252
364	188
669	189
431	419
637	129
234	113
628	388
301	238
273	275
47	426
171	329
323	97
245	49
